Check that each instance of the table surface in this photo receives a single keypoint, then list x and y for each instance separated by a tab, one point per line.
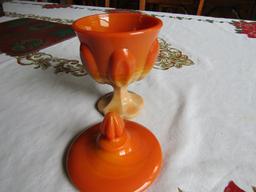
200	102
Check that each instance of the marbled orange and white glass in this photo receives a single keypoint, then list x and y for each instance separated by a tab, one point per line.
118	49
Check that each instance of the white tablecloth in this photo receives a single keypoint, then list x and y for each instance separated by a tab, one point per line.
204	114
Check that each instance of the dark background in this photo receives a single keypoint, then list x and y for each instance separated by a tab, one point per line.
238	9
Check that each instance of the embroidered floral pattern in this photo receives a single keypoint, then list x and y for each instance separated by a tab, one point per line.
208	20
44	61
171	57
49	5
55	6
168	57
243	27
231	187
55	20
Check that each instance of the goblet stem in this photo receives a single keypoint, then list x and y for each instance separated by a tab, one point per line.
121	101
120	96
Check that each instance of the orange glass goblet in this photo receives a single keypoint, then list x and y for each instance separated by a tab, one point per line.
118	49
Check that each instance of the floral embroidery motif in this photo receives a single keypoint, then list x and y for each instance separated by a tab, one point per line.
55	20
49	5
171	57
168	57
190	18
243	27
44	61
55	6
231	187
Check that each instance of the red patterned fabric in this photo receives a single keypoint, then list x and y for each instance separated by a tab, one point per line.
244	27
232	187
23	36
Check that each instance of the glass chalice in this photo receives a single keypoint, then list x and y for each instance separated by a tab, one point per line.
118	49
116	155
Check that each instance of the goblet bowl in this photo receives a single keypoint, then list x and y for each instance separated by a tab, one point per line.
118	49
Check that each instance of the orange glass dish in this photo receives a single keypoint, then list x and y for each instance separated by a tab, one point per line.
115	155
118	49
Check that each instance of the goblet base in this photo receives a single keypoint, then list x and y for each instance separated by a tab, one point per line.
128	106
131	168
